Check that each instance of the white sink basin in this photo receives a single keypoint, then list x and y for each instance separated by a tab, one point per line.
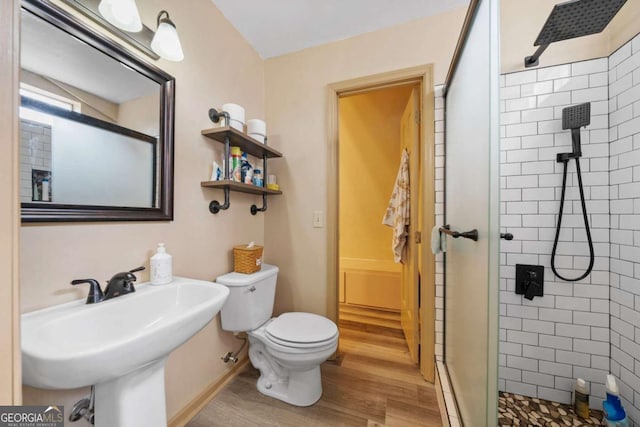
117	345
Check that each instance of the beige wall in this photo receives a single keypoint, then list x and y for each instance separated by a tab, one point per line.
369	156
9	329
625	25
54	254
135	115
296	86
522	20
90	104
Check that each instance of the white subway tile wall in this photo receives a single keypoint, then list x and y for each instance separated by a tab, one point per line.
624	116
439	212
591	327
35	153
551	340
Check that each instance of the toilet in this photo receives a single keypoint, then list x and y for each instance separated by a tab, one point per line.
288	349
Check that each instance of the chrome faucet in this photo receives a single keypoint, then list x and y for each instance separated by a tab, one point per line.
119	284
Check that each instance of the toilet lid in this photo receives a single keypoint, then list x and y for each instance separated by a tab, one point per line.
301	328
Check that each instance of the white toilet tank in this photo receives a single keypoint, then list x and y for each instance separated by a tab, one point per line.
250	301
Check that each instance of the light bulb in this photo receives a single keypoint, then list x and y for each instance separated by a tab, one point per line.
122	14
166	42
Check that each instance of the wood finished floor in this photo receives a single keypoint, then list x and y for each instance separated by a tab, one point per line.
372	383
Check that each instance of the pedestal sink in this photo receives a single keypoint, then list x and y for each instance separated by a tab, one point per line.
119	345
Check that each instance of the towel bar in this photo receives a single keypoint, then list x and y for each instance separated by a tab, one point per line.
472	234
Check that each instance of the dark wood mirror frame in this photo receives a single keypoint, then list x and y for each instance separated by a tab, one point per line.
37	212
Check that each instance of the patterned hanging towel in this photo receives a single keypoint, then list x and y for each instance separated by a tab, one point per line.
398	213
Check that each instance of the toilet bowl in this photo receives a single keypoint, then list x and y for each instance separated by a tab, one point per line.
288	349
290	370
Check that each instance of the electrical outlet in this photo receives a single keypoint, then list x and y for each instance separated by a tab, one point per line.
318	219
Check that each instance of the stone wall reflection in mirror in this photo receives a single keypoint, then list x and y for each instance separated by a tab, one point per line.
89	124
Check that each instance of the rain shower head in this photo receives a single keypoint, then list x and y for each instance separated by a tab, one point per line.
571	19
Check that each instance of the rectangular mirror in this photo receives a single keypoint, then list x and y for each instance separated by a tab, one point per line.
96	125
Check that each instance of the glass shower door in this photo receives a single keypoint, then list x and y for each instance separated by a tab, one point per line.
472	187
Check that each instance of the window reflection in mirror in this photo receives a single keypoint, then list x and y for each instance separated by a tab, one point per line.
89	124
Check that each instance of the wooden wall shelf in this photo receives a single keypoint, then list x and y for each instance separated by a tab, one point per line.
230	136
240	187
239	139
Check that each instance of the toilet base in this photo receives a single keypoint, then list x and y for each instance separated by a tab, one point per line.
299	389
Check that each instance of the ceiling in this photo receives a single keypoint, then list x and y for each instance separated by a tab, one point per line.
50	52
277	27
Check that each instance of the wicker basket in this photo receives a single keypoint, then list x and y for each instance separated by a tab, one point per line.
247	260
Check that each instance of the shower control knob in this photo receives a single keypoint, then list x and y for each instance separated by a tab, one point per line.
506	236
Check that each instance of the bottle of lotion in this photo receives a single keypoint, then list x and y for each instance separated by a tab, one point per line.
161	271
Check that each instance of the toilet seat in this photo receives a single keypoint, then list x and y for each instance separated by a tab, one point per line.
301	330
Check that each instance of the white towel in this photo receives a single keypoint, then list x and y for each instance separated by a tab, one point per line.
398	214
438	241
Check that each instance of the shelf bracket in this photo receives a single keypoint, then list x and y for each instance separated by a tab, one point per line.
255	209
215	206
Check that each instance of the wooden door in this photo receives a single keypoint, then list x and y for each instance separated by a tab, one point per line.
409	311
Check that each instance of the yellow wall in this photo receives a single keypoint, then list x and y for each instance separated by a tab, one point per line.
369	156
219	67
522	20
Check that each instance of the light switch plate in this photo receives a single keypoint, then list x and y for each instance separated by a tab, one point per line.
318	219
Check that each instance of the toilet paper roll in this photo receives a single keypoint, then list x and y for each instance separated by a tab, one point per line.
236	112
258	137
257	126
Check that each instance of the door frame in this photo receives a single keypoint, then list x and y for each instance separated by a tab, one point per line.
10	371
423	74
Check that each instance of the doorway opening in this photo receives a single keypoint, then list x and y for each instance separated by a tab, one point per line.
384	298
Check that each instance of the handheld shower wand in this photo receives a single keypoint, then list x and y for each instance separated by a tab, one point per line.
573	118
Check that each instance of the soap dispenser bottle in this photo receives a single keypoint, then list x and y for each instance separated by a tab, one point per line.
161	270
614	414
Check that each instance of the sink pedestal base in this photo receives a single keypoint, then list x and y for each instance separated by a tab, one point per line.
133	400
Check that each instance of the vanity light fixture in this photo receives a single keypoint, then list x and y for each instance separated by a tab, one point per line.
165	41
122	14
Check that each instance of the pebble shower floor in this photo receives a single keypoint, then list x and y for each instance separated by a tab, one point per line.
517	410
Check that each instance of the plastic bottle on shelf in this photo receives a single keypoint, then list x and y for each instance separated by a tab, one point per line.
257	178
235	164
246	170
581	399
614	414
